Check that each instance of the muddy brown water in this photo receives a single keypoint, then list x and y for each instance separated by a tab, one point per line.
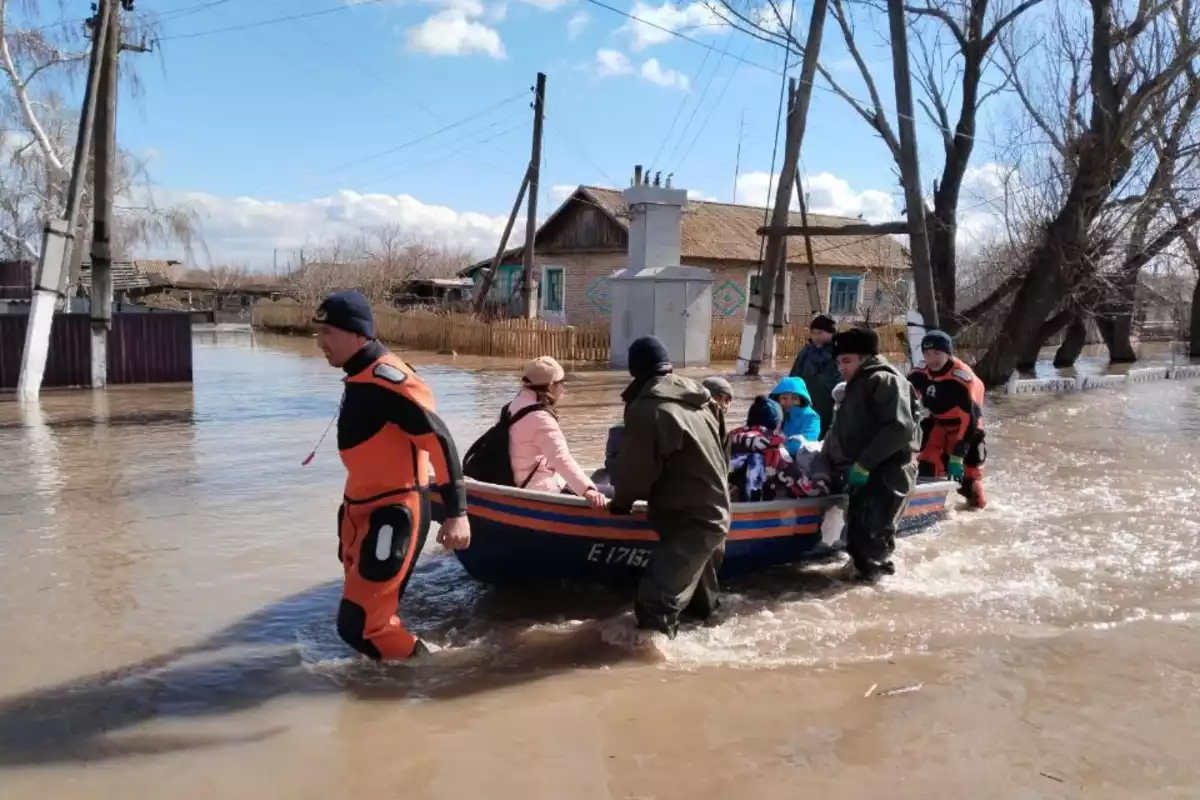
168	581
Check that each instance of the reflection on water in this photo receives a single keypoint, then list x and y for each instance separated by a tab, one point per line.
166	558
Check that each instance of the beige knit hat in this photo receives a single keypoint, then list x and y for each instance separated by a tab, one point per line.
543	371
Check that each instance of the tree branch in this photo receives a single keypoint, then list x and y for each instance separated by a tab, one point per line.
8	66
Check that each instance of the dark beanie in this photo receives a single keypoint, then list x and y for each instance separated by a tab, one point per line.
938	340
765	413
823	322
347	311
856	342
648	357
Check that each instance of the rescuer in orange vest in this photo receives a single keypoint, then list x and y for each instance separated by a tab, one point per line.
388	435
952	440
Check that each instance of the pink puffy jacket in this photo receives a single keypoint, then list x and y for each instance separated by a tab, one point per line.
536	445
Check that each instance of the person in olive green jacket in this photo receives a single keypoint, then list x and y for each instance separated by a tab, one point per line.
672	455
871	447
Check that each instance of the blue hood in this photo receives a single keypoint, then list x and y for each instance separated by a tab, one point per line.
792	386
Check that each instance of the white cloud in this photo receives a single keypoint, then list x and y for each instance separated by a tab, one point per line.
245	230
455	30
828	194
697	194
981	208
576	25
981	202
612	62
692	18
546	5
669	78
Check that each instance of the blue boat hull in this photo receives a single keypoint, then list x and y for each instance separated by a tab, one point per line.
523	537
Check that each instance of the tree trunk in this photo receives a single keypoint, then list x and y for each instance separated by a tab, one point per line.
1042	287
1117	331
1194	347
1073	343
1027	361
1029	358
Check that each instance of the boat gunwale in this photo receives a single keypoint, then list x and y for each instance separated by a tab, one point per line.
807	503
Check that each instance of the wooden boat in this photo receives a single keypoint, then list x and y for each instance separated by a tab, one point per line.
521	536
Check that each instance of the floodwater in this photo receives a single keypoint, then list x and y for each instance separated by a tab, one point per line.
168	582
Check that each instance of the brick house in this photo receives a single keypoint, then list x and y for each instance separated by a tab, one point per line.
585	241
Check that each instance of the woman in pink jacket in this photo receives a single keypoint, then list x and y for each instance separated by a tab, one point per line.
536	444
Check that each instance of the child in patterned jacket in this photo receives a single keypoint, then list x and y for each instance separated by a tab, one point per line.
761	468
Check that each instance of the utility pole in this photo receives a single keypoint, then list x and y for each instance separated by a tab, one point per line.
528	182
58	236
485	285
528	304
814	290
910	169
102	214
796	122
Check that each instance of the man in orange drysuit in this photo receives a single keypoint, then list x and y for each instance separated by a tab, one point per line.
388	434
952	436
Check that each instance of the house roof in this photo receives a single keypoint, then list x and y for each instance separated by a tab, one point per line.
728	232
125	275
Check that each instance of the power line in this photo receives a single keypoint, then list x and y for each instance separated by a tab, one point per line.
711	109
438	159
679	110
409	143
329	172
700	102
352	58
772	70
274	21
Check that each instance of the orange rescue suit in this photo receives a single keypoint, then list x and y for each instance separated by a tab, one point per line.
388	435
954	398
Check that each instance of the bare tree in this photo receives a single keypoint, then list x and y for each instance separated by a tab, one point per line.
378	262
955	38
39	66
1134	67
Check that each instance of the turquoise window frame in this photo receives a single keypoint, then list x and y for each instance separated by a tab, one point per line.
835	281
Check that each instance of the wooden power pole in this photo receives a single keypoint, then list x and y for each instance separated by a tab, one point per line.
529	182
797	120
910	169
528	303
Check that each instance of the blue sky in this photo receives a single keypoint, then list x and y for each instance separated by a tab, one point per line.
295	110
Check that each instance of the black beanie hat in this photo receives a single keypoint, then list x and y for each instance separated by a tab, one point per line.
648	357
823	322
938	340
347	311
856	342
765	413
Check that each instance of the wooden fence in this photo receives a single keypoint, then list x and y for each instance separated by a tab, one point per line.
142	348
520	338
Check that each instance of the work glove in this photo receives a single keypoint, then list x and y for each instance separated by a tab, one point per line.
857	477
955	468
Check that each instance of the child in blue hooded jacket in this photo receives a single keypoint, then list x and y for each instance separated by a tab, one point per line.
799	416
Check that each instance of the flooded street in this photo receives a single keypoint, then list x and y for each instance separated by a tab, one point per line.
168	584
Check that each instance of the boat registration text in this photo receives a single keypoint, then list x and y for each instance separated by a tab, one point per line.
619	554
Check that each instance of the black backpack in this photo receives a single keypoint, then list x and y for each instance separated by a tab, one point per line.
488	458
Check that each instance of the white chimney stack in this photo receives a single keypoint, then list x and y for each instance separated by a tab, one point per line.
655	223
